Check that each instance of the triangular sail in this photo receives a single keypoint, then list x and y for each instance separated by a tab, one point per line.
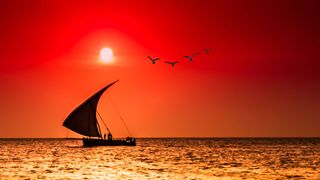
83	119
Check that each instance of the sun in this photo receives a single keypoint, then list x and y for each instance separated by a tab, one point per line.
106	55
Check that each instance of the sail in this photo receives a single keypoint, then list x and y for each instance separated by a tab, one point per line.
83	119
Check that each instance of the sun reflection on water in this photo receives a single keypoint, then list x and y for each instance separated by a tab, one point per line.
161	158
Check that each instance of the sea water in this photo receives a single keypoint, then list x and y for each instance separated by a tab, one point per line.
172	158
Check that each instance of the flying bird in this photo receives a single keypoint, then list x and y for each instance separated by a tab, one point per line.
153	59
195	54
188	57
207	50
172	63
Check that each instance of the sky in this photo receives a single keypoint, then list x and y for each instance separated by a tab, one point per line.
262	78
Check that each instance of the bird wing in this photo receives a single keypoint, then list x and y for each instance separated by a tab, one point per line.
168	62
150	58
207	50
195	54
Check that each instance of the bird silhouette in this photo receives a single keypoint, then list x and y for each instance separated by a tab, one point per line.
207	50
172	63
195	54
153	59
190	58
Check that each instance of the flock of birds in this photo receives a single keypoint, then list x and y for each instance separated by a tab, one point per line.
189	57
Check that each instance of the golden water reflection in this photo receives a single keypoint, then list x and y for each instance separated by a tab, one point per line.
162	158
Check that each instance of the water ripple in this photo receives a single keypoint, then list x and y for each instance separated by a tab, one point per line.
162	159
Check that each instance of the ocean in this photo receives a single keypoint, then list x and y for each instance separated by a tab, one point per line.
162	158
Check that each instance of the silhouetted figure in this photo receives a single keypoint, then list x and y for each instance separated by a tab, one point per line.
109	136
208	50
190	58
172	63
130	139
153	59
104	136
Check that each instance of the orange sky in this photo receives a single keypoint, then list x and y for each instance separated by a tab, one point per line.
262	79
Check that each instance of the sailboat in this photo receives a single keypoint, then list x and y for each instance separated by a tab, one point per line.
83	120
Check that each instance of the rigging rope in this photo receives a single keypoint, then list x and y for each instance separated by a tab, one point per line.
104	123
115	107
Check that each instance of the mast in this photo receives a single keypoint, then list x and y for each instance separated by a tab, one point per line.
99	129
104	123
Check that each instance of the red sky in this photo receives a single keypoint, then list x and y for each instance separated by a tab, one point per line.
262	78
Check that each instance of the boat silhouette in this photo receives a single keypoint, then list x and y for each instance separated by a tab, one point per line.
83	120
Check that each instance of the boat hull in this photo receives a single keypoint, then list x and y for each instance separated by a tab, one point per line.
105	142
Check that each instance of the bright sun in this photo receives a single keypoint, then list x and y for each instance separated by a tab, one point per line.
106	55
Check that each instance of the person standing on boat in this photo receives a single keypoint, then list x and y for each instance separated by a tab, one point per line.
109	136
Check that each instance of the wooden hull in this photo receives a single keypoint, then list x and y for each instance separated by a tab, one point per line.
105	142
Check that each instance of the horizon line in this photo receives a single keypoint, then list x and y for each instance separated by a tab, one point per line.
178	137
